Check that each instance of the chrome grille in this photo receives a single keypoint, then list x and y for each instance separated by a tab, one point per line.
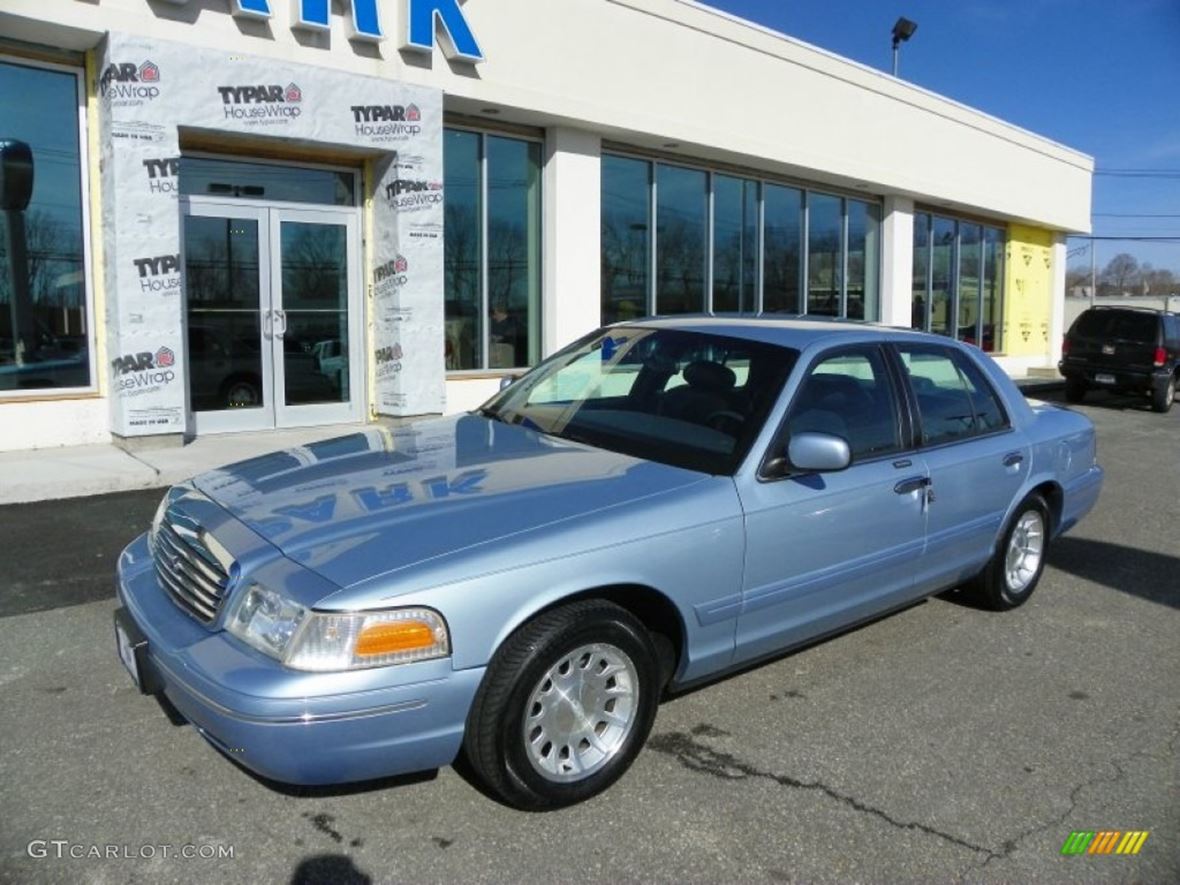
194	575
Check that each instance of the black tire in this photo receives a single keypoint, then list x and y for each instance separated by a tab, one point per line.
1075	390
1162	398
495	742
241	391
992	587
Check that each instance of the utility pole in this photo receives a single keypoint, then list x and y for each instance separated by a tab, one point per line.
1093	270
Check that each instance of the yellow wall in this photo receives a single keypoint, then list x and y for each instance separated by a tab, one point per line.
1028	290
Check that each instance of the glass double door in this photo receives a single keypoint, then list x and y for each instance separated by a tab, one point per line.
273	314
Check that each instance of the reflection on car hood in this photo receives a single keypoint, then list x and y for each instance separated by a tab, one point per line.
381	500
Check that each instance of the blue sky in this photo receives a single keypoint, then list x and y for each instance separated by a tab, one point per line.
1102	76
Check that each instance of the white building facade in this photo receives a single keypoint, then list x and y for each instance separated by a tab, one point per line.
271	213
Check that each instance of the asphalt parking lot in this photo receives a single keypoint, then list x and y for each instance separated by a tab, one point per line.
943	742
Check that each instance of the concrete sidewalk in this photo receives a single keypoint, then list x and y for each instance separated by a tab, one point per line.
77	471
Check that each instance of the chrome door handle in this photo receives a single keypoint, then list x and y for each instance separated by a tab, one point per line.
281	316
913	484
1012	459
268	324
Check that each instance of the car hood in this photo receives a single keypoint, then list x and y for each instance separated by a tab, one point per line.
383	500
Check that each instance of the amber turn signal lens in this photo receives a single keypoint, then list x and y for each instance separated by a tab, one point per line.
394	636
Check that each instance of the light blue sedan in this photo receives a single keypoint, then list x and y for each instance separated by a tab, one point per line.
659	503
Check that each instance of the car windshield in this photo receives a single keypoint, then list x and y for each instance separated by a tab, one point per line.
683	398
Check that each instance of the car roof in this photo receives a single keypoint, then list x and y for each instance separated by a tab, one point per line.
789	331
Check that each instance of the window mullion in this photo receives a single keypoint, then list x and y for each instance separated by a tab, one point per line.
484	315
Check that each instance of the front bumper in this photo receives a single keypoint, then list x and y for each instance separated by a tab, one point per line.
286	725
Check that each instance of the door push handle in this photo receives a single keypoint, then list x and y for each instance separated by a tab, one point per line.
268	324
1012	459
281	316
913	484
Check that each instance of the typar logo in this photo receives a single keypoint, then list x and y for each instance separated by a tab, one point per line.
391	275
144	372
261	103
159	273
162	173
410	194
126	84
1105	842
388	360
387	122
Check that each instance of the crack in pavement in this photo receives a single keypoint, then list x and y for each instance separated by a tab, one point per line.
699	757
1010	845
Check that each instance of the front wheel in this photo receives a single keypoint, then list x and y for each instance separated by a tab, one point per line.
1011	575
1163	397
566	704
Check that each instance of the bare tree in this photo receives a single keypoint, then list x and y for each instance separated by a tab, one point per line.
1121	273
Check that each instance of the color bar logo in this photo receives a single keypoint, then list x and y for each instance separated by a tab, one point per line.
1104	842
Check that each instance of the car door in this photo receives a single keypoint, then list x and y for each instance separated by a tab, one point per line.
976	461
824	550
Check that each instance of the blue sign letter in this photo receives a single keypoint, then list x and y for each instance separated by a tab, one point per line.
251	8
366	22
420	17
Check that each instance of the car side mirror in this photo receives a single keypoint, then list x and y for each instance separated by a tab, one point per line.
818	452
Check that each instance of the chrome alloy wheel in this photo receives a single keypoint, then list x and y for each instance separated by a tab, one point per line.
1025	549
581	712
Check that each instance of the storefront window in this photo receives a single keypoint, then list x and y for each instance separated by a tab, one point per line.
824	249
514	252
864	259
681	239
735	244
492	254
920	301
626	238
45	329
782	233
958	274
462	277
754	252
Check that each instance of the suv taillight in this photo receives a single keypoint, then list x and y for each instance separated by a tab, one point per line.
1065	346
1161	357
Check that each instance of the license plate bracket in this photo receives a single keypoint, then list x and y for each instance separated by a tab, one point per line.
1104	378
132	647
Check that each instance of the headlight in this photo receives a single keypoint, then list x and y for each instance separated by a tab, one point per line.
308	640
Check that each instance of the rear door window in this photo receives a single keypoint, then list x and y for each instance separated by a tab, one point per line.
954	399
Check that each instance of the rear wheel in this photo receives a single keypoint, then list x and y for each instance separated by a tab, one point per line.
565	706
1163	397
1015	568
1075	390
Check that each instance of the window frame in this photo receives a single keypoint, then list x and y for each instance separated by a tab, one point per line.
956	355
96	387
761	180
897	394
484	370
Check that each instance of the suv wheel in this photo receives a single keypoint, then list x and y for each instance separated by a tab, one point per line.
1163	397
1075	390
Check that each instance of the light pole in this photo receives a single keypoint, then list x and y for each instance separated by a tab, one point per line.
903	29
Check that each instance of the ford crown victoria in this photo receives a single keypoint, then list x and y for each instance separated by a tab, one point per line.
657	504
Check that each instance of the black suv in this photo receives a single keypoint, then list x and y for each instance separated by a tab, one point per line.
1123	349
